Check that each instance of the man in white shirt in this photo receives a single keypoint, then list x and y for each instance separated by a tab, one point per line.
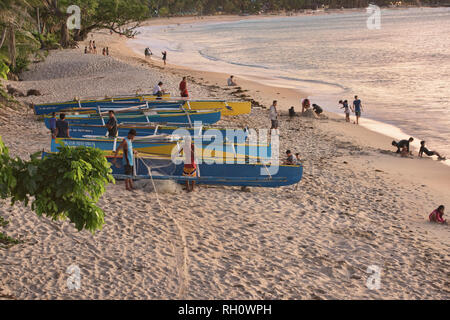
157	91
273	115
231	81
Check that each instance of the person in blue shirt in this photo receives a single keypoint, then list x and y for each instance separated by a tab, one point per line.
128	158
53	125
357	108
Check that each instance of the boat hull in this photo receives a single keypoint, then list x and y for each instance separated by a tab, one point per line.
229	174
228	108
204	118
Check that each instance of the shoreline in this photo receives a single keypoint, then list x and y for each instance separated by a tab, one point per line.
357	205
263	93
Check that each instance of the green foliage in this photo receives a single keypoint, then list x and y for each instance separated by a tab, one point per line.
3	222
7	241
66	184
48	41
4	69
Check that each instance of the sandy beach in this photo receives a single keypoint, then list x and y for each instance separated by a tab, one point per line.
358	205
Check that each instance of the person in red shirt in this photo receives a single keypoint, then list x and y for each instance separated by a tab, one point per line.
437	215
183	88
190	169
305	104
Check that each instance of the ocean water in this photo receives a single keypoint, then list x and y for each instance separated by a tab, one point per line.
401	72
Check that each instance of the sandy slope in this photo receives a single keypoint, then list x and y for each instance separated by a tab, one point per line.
356	206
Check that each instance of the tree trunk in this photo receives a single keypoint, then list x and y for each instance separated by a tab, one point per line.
12	46
64	36
3	37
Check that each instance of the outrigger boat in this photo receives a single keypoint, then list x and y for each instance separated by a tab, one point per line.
228	108
170	116
147	129
226	174
169	145
48	108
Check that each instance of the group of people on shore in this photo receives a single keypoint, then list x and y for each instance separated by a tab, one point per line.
404	150
159	91
92	48
148	54
356	108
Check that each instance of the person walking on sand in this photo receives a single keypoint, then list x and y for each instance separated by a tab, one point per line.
438	215
273	116
346	109
402	144
94	46
164	56
357	108
305	105
127	158
429	153
183	88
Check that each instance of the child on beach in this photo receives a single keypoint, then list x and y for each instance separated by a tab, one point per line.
290	158
346	109
437	215
429	153
402	144
164	56
305	104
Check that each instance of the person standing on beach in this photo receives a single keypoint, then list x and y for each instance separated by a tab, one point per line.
164	56
94	46
183	88
111	125
107	51
190	167
62	127
148	53
305	104
128	157
357	108
53	125
273	115
346	109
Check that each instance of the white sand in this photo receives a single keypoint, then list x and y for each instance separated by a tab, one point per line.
355	207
